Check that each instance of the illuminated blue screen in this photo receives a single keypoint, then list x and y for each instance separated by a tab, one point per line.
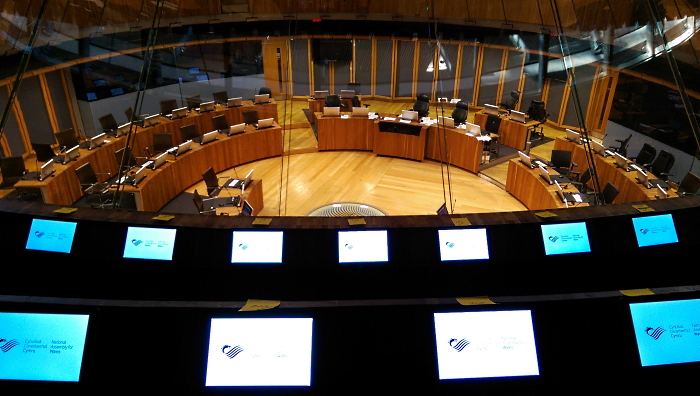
51	235
565	238
41	347
667	332
655	230
149	243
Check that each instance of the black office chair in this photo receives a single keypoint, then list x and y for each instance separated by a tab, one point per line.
199	203
189	132
646	156
265	91
423	98
689	185
460	113
66	139
422	108
193	101
622	147
609	193
332	101
220	97
538	113
11	169
662	165
510	103
43	151
250	117
582	183
91	185
167	106
357	87
356	102
220	123
212	182
129	113
493	123
162	142
130	160
561	162
109	124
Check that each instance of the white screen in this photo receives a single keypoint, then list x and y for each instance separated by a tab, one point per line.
260	352
485	344
256	247
51	235
465	244
41	347
565	238
362	246
149	243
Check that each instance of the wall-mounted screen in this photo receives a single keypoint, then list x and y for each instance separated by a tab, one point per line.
260	352
51	236
655	230
362	246
667	332
485	344
257	247
565	238
149	243
42	347
117	91
91	96
463	244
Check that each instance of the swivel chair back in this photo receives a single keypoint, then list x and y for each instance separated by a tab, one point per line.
510	102
663	164
265	91
332	101
108	123
423	98
422	108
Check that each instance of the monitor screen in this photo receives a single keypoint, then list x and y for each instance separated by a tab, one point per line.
463	244
193	70
117	91
260	352
362	246
119	77
202	77
257	247
667	331
485	344
91	96
42	347
100	82
655	230
149	243
51	235
565	238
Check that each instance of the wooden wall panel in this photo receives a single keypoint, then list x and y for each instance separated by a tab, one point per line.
401	7
120	11
485	9
524	12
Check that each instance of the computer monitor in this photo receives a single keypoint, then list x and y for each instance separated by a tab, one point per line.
159	160
409	115
360	112
183	148
99	82
149	243
234	102
655	230
193	70
209	137
97	141
573	136
263	247
320	94
248	178
42	346
442	210
565	238
178	113
259	352
665	331
207	106
151	120
331	111
485	344
261	99
621	162
123	129
463	244
91	96
660	192
347	93
71	154
236	129
46	170
446	121
525	159
51	235
363	246
517	116
490	109
473	129
598	148
265	123
117	91
247	208
642	177
167	106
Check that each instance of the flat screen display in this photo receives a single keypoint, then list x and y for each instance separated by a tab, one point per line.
655	230
149	243
257	247
485	344
565	238
42	347
91	96
117	91
362	246
464	244
51	235
667	332
260	352
193	70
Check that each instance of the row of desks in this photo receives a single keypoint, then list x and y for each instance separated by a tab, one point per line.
163	184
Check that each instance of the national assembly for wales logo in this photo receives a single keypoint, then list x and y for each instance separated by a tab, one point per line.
458	345
230	351
655	333
6	345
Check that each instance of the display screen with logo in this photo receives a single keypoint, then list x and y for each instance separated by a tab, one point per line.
257	247
259	352
667	332
565	238
41	347
362	246
655	230
149	243
464	244
51	235
485	344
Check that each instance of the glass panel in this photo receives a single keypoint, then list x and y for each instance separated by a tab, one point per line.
466	79
426	69
31	100
300	67
382	77
446	75
363	65
490	75
404	69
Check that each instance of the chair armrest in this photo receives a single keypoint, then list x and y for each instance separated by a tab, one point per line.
104	173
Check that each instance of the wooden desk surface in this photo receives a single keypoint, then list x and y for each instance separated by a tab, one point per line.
512	133
463	150
352	133
317	105
533	191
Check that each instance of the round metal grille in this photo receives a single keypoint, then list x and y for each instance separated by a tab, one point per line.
346	209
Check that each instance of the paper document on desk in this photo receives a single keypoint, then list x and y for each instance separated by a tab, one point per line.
373	116
344	116
483	138
405	121
389	119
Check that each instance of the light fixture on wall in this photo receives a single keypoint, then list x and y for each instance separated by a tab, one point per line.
441	65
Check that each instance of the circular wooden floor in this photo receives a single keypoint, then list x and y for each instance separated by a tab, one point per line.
396	186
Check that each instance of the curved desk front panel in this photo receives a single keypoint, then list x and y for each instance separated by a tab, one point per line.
352	133
463	150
